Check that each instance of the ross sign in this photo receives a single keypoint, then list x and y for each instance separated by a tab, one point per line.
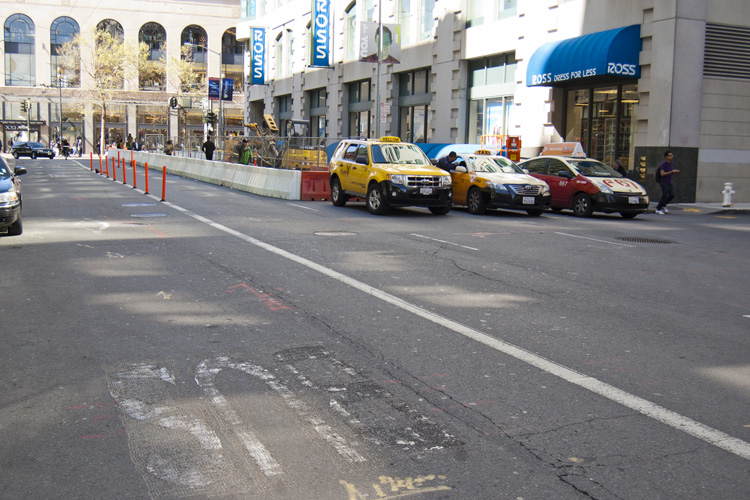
214	91
321	34
258	61
227	89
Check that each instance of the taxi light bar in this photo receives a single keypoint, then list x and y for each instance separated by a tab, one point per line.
482	152
390	138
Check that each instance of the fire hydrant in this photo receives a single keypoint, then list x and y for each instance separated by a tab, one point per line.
728	192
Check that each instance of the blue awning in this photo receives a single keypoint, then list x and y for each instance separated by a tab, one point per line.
612	53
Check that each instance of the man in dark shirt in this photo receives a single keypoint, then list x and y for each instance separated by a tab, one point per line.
667	188
208	148
446	162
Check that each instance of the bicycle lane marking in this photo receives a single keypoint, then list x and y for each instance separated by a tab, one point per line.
673	419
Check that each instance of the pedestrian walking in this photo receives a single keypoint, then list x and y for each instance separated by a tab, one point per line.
208	148
667	171
169	148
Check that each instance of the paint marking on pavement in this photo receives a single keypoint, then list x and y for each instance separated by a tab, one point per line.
594	239
673	419
306	208
442	241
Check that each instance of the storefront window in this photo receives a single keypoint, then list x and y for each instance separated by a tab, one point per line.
318	110
602	119
414	106
20	62
359	108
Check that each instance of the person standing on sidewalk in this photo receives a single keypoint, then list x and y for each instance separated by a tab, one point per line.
667	188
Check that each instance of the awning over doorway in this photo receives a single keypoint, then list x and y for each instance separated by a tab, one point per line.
611	53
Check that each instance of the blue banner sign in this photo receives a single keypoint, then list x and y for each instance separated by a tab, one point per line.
321	26
213	89
227	89
258	62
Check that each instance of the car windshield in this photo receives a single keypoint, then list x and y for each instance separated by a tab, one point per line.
593	168
36	144
4	170
494	164
402	154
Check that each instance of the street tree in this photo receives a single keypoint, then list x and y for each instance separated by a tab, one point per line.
106	62
185	76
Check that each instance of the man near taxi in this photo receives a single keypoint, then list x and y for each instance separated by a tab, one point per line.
447	162
667	188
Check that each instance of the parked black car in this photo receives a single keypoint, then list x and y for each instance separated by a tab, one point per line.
32	149
10	199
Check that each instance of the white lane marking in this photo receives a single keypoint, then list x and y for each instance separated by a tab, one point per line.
442	241
594	239
306	208
692	427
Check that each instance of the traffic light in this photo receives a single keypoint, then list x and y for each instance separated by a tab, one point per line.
173	102
24	106
211	117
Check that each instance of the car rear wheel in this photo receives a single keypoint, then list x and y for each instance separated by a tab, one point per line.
16	228
582	206
376	203
338	198
476	202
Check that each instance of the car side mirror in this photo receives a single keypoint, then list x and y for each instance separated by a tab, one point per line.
433	161
19	171
461	169
362	160
564	173
525	171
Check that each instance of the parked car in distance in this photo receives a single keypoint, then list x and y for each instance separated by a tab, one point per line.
32	150
387	172
10	199
585	185
482	181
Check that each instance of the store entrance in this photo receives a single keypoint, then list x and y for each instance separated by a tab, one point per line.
603	120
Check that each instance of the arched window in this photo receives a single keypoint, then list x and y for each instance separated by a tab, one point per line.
112	27
20	62
195	37
153	74
232	58
63	30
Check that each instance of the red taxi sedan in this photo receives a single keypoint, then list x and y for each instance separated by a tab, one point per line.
585	185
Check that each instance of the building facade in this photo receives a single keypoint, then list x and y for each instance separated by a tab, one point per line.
59	102
626	79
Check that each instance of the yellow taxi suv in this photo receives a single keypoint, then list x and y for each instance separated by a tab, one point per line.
388	173
482	180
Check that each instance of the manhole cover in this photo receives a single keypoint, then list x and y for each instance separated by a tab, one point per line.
334	233
638	239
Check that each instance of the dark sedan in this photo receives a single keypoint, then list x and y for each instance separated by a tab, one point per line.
32	150
10	199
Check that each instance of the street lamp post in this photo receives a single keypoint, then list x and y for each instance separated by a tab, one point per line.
220	131
59	86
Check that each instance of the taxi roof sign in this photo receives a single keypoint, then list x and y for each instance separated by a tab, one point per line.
482	152
574	149
390	138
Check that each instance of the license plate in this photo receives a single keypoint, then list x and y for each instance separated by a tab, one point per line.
633	200
528	200
425	190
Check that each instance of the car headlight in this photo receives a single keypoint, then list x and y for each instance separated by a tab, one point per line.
498	187
9	197
545	190
446	180
603	187
398	179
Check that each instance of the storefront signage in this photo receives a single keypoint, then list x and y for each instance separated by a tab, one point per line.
258	64
227	89
321	33
612	53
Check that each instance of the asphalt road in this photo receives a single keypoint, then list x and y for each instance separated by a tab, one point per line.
225	345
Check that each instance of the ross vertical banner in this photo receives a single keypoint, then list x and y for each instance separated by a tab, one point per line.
258	62
321	33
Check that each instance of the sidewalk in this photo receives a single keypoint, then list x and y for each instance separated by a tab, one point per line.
706	208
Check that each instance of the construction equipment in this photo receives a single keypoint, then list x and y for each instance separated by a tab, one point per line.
295	151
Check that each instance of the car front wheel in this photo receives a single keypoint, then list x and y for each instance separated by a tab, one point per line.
16	228
582	206
338	198
376	203
33	155
476	202
15	154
